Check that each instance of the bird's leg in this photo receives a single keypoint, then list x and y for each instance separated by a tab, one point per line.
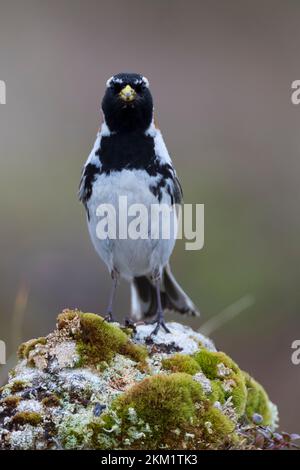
109	315
160	320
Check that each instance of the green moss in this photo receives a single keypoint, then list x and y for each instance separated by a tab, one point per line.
27	417
181	363
96	429
128	331
100	338
216	426
143	367
163	401
209	362
20	352
98	341
218	393
51	401
25	348
136	352
239	394
11	401
17	386
218	366
257	401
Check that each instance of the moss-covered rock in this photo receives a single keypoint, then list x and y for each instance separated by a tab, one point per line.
94	385
162	401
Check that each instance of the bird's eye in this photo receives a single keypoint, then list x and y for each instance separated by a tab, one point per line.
139	87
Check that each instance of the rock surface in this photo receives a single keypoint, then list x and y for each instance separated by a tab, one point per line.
95	385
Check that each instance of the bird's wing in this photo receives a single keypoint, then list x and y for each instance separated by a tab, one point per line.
88	175
178	194
174	188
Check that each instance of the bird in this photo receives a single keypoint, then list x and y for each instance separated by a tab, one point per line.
130	159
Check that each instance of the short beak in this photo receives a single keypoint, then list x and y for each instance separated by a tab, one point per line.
127	93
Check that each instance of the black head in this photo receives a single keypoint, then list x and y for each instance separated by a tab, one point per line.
127	104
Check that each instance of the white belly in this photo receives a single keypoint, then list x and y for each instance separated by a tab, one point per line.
131	257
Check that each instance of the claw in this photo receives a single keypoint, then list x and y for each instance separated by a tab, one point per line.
132	324
160	324
129	323
109	318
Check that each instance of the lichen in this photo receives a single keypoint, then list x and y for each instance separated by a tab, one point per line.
73	431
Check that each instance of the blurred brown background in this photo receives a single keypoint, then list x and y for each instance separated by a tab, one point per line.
221	74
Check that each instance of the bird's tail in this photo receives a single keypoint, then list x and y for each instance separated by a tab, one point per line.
144	300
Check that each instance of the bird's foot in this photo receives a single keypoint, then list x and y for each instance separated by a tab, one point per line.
129	323
160	323
109	318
